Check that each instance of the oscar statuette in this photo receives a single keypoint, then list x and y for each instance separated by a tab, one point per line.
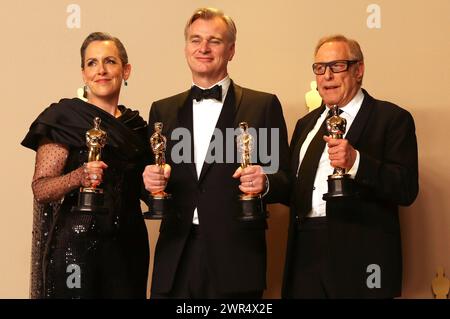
91	199
339	183
160	202
252	207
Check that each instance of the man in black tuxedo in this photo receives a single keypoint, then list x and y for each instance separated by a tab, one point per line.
349	247
203	251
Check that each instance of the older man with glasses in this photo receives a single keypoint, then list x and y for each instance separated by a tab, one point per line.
349	246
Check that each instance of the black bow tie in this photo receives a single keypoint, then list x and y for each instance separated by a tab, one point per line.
213	93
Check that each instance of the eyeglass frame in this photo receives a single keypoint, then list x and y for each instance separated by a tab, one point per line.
330	64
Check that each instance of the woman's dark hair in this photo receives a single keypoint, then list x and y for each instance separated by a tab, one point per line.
102	36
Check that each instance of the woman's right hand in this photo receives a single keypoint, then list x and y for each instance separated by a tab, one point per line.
93	173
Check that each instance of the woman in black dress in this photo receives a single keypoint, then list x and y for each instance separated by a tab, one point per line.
90	255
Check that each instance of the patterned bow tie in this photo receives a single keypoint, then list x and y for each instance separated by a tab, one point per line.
213	93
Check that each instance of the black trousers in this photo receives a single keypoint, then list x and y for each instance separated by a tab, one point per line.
308	277
193	279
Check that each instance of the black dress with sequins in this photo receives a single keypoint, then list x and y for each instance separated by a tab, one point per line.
77	255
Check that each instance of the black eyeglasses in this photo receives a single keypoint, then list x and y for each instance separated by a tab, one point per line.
337	66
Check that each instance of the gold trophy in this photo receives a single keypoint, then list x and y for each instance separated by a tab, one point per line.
160	202
252	207
91	199
339	183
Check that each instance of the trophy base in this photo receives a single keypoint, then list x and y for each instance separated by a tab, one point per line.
160	207
90	201
341	186
252	208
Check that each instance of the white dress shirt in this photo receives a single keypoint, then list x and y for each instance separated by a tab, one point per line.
324	168
205	115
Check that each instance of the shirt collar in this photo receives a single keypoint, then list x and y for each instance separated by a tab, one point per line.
352	108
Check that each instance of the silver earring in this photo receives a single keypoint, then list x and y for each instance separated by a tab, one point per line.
85	90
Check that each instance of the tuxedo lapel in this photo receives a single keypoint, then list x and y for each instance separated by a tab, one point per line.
298	144
226	120
237	102
185	120
360	121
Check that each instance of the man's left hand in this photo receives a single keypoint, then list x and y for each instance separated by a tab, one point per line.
253	179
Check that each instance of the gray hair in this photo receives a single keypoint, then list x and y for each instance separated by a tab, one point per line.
209	14
103	36
355	49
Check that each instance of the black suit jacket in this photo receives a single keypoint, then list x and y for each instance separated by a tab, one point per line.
236	251
365	230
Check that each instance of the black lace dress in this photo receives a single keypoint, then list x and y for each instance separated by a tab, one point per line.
77	255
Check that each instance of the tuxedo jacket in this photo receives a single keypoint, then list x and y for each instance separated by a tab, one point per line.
235	251
363	231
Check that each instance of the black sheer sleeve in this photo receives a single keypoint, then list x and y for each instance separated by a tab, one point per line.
49	183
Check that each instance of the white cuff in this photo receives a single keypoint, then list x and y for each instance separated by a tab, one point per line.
267	186
352	171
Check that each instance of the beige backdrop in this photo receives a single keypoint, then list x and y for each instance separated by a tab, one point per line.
407	62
